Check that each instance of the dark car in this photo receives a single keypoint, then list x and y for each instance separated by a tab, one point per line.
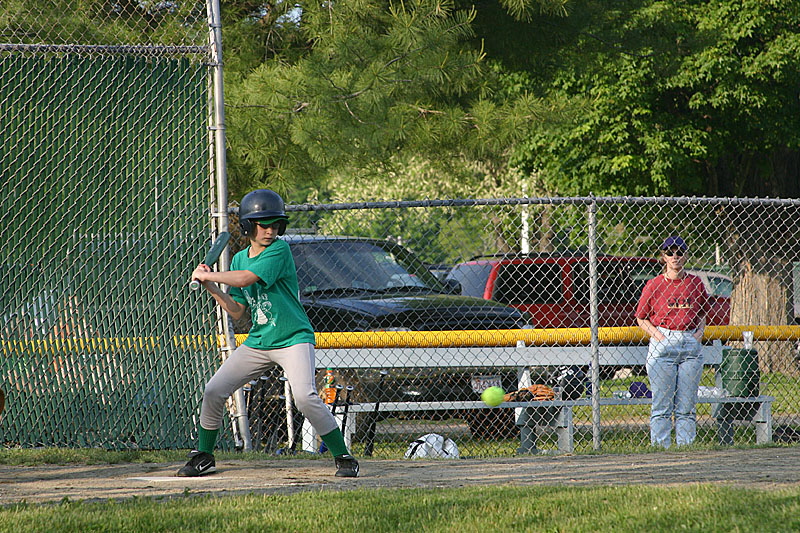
355	284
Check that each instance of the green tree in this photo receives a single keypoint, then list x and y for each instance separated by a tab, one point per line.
680	97
364	86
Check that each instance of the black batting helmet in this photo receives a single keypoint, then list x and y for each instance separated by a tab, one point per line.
261	204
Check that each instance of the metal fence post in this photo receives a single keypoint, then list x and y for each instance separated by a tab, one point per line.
594	320
241	424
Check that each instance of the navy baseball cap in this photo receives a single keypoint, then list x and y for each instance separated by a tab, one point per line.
674	242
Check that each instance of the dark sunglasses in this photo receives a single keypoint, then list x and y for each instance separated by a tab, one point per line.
670	253
273	225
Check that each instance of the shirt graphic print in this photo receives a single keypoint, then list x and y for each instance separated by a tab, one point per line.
262	309
679	303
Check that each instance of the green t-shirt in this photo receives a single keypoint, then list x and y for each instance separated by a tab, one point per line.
279	319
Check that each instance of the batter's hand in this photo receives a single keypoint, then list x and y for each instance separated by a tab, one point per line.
199	273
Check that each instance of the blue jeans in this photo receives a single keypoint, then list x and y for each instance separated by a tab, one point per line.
674	367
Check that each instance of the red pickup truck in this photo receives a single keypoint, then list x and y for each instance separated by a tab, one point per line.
554	288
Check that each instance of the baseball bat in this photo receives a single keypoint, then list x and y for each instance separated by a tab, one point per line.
370	445
297	433
336	399
213	255
346	407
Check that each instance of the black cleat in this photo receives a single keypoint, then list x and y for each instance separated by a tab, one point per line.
346	466
200	464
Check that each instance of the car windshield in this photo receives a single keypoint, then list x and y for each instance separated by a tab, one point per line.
472	277
353	266
529	283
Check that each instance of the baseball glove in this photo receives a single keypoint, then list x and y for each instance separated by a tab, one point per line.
532	393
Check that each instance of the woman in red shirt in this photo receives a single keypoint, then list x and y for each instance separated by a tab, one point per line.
672	311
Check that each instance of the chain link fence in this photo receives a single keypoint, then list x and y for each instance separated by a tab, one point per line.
106	165
455	296
107	184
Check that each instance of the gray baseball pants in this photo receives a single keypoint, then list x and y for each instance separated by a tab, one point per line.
246	364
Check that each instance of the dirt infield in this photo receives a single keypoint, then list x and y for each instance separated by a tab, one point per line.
765	468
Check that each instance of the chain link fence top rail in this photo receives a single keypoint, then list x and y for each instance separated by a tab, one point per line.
106	190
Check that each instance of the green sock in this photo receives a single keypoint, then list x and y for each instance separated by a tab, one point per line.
208	439
335	442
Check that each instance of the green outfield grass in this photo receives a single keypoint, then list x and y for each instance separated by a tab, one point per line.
703	508
785	389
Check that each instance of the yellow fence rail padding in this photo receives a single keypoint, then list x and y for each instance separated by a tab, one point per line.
760	333
402	339
533	337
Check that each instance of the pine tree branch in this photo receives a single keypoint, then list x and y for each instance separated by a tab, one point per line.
352	114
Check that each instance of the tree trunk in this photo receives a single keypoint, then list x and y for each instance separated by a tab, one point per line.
763	240
762	296
500	242
545	241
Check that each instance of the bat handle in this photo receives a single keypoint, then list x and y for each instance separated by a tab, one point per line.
194	285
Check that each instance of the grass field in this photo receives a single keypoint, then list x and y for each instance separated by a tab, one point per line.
703	508
690	507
